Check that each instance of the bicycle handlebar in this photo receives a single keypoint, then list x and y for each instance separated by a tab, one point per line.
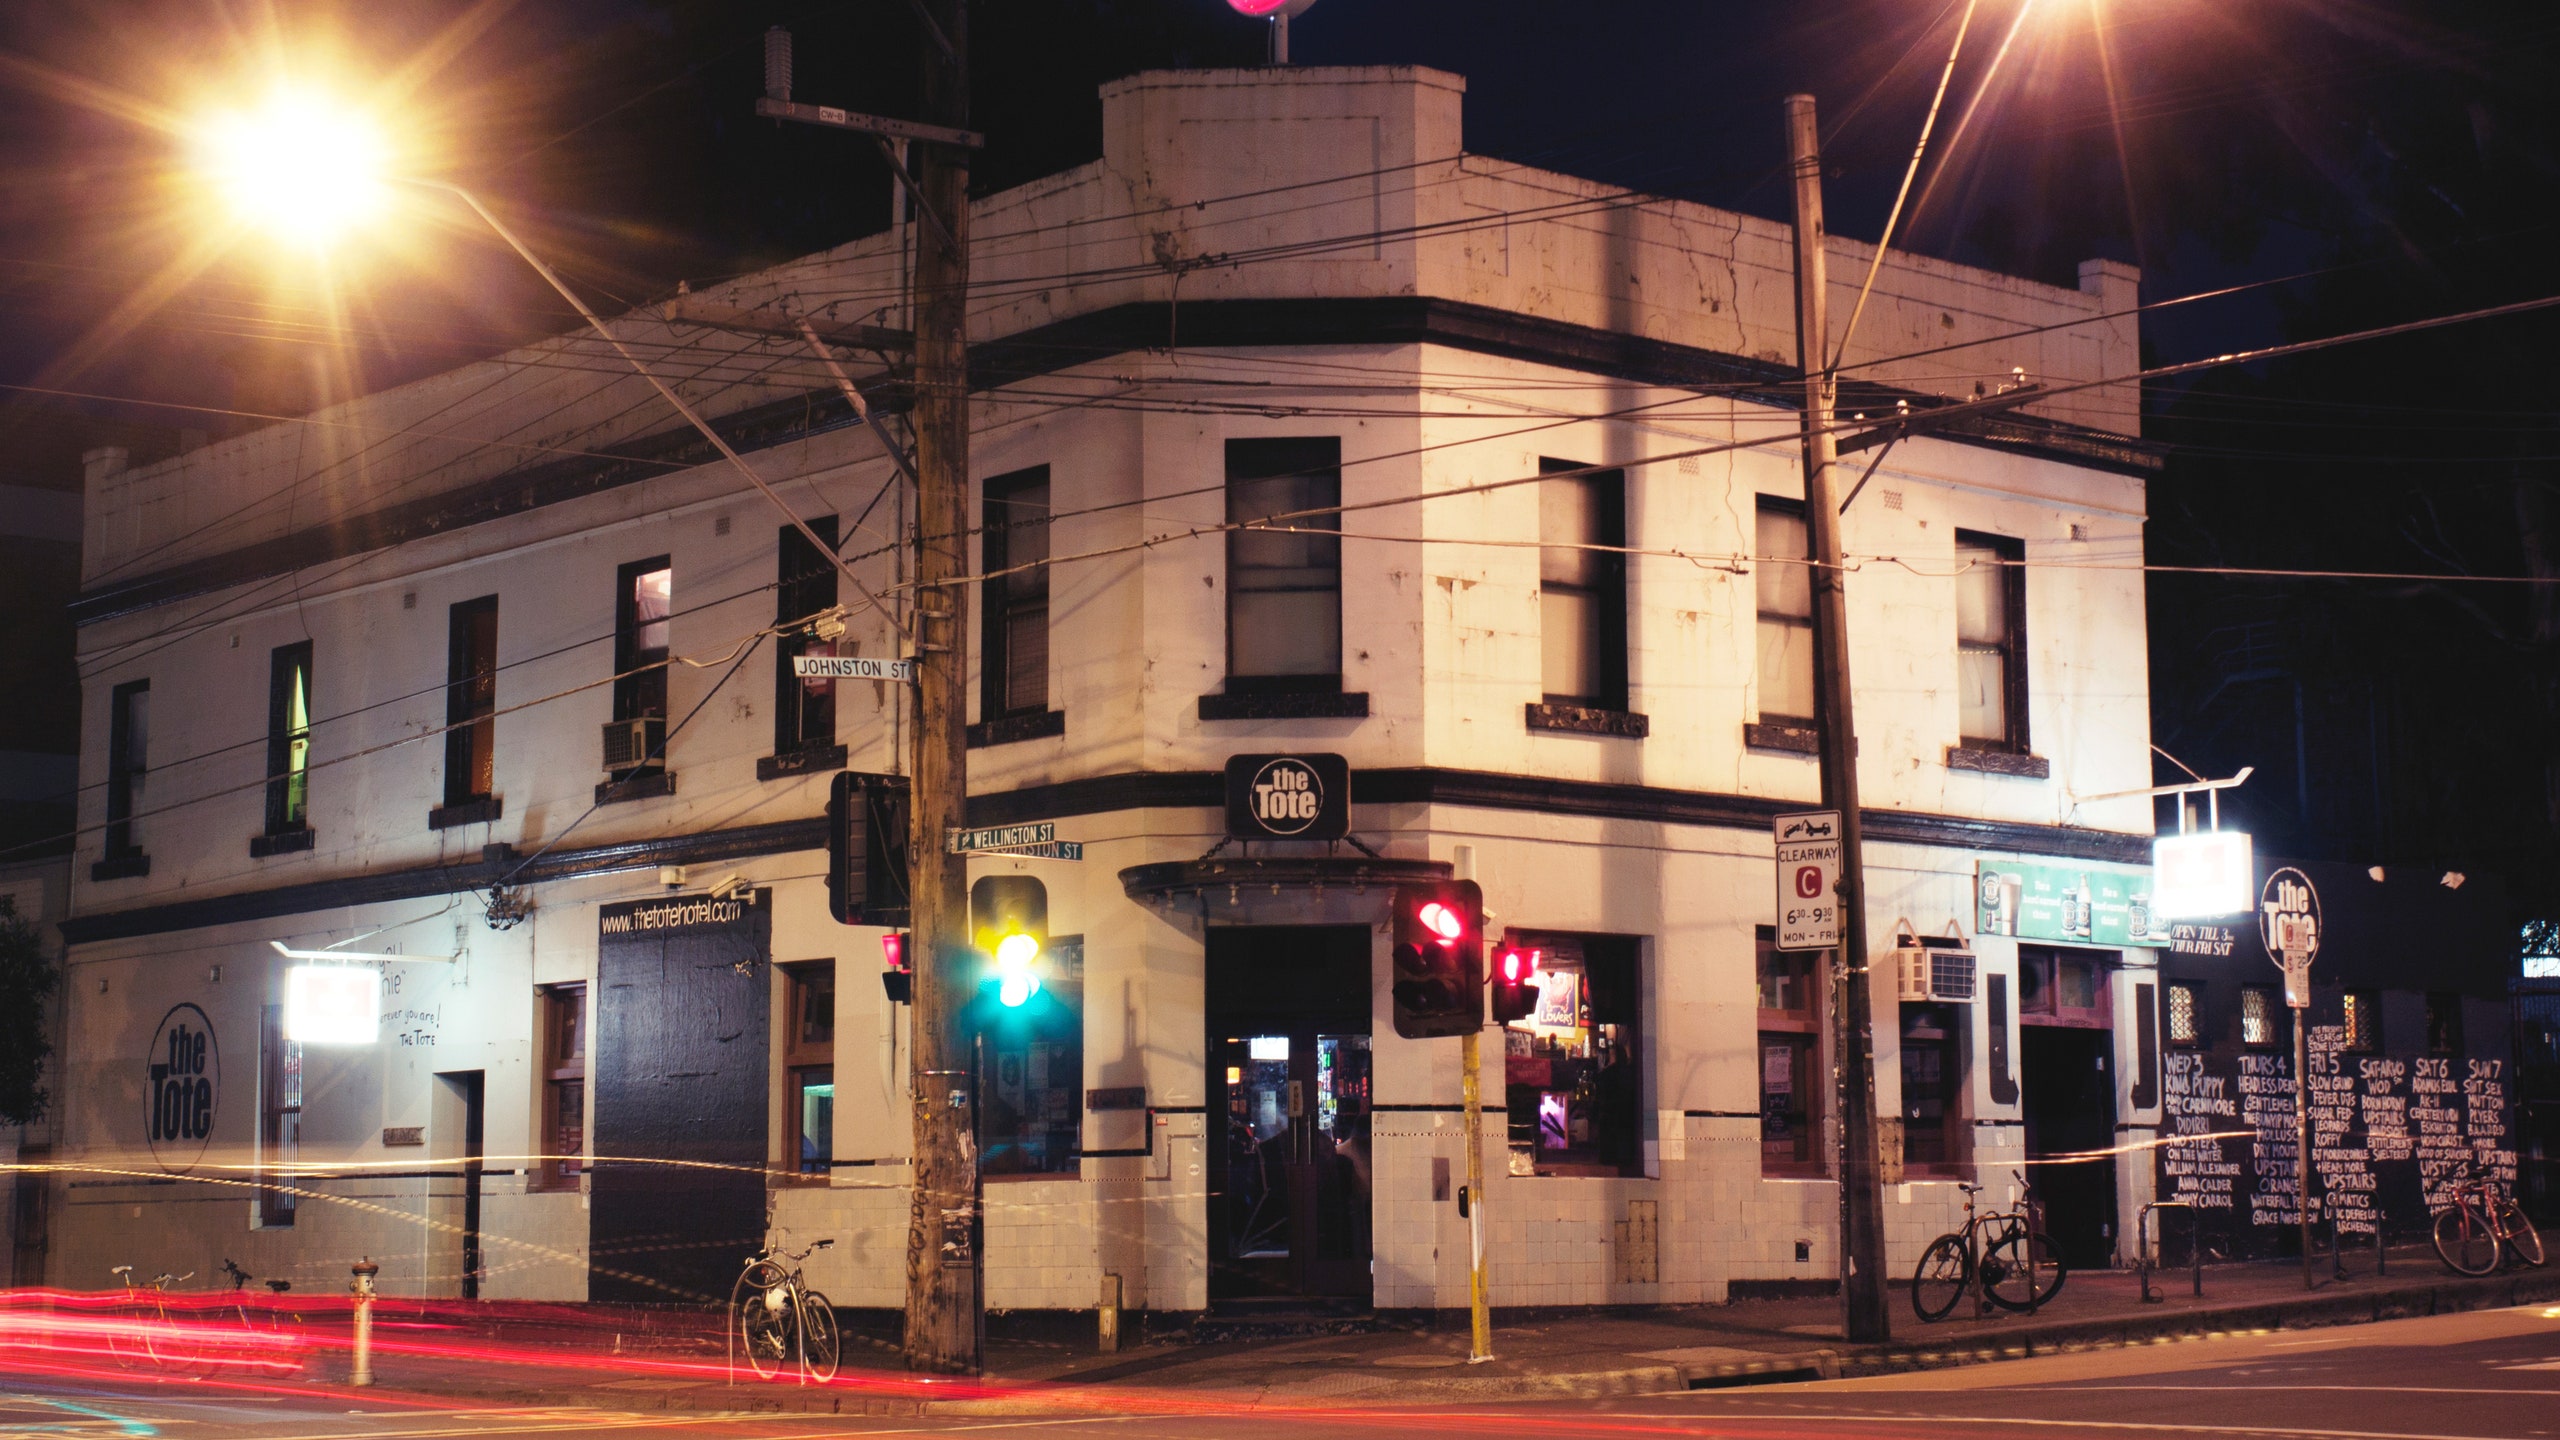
772	1251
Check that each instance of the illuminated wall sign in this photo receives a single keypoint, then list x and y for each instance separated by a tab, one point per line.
2086	902
333	1004
2201	875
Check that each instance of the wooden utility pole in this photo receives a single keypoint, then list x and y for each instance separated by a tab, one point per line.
1862	1282
945	1296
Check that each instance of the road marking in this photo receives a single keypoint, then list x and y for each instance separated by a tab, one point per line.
2176	1429
2067	1386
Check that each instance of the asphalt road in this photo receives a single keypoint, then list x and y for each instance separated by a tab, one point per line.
2492	1375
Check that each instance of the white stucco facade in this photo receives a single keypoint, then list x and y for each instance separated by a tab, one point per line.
1544	318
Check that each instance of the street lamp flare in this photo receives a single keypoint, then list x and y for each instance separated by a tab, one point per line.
298	166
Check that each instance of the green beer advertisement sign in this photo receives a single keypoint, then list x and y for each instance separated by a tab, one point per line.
2081	902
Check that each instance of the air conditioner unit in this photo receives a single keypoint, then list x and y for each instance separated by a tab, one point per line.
1933	968
630	743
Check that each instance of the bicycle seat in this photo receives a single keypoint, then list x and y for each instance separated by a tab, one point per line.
823	1245
279	1286
124	1270
1968	1187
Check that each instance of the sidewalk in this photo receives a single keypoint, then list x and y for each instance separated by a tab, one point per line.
676	1364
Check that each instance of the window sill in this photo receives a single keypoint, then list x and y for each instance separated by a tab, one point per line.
129	866
1793	739
1022	1176
638	787
1999	762
807	760
1287	705
283	842
1794	1170
1006	730
1588	720
478	811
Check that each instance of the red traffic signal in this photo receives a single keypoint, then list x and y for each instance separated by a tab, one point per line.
1515	981
1439	958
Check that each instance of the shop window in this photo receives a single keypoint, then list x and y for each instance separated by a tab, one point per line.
279	1119
1031	1080
2361	1014
2258	1007
2186	1007
809	1064
1784	586
1791	1090
644	600
804	711
2062	987
289	739
471	702
2444	1022
1014	669
128	761
562	1011
1284	579
1932	1077
1575	1094
1582	587
1991	643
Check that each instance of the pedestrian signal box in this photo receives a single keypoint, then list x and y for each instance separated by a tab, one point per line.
1439	958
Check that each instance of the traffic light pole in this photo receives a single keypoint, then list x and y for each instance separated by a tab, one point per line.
1471	1091
944	1294
1862	1284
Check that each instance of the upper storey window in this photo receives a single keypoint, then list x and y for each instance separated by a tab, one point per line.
1015	668
128	762
804	711
1284	579
1991	635
471	702
643	603
1784	585
1582	587
289	739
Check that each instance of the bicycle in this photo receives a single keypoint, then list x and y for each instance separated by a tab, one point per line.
2015	1264
777	1316
2475	1232
263	1338
142	1332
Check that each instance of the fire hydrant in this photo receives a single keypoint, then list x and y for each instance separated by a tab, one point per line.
365	1270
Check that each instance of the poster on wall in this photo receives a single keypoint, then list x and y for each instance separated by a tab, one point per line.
2405	1105
2082	902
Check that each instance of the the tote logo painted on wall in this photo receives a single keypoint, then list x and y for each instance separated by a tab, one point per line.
183	1088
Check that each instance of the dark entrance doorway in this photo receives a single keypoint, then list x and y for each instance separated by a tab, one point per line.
459	1122
1289	1101
2070	1106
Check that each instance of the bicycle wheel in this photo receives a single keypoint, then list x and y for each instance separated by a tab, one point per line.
761	1300
2464	1240
2521	1236
818	1336
1945	1270
125	1332
2022	1270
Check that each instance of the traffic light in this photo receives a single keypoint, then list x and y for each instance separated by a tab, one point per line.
867	849
1009	920
1515	981
1439	958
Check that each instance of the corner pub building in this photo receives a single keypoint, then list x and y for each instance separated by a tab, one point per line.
347	677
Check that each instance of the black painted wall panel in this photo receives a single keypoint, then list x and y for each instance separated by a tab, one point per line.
681	1067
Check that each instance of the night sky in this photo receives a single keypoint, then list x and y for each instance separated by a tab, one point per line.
2396	158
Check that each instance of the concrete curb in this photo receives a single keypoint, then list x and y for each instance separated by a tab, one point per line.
2308	1311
